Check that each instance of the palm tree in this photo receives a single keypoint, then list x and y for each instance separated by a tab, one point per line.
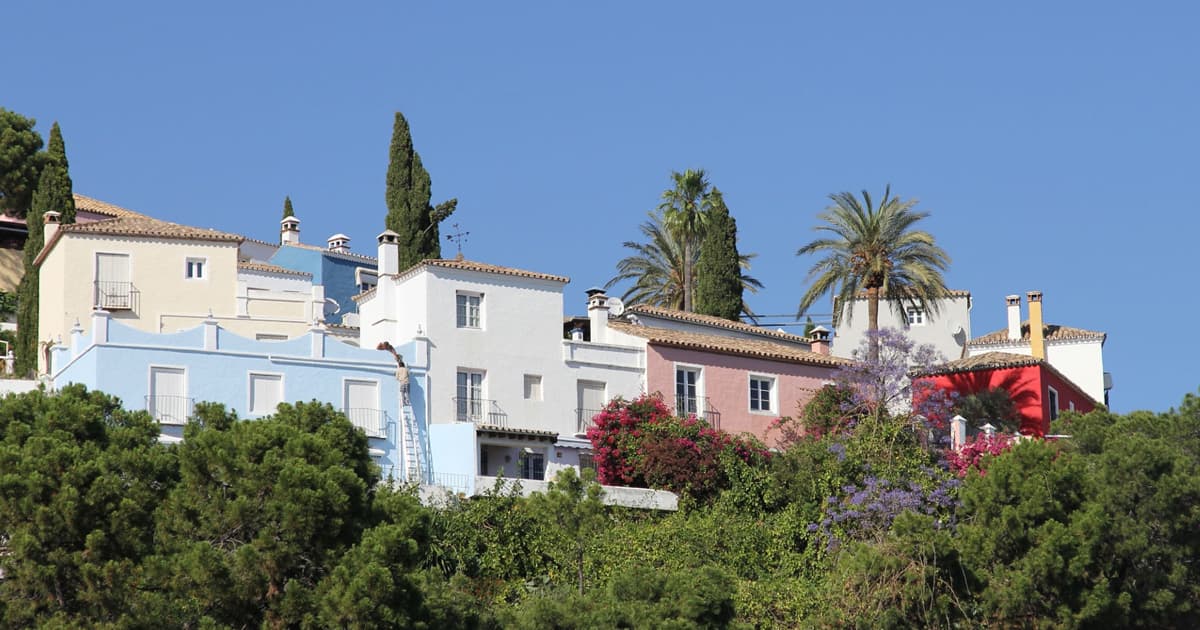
656	269
684	212
876	251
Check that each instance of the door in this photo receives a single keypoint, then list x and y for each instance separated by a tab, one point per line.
591	401
168	401
361	400
686	391
470	396
113	286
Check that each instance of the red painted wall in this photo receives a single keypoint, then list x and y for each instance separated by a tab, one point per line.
1028	388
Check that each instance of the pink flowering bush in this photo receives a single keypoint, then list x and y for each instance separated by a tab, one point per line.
970	456
640	444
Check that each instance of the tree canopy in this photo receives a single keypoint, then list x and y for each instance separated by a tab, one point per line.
20	162
408	200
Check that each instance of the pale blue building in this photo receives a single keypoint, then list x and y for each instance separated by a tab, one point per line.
167	374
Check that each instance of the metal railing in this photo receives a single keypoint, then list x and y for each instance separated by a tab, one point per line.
115	296
583	419
373	422
170	409
700	408
479	411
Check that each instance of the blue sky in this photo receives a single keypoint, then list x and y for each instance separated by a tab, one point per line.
1053	143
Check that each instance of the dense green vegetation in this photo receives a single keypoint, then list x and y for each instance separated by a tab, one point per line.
410	213
280	522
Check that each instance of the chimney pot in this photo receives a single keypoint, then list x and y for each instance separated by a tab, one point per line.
339	243
289	230
598	314
51	220
1037	339
389	253
1014	316
820	340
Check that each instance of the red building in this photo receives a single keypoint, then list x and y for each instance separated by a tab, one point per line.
1037	389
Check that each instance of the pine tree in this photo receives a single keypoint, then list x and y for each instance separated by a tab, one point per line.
408	193
287	207
53	193
20	162
718	271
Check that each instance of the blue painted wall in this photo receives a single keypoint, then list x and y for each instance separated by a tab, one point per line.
333	272
122	367
299	259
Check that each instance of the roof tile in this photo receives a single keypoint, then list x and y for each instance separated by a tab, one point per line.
1051	332
728	345
709	320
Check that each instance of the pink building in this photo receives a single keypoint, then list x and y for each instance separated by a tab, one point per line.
737	384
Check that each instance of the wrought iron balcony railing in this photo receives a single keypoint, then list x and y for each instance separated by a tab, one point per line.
700	408
115	296
170	409
373	422
583	419
479	411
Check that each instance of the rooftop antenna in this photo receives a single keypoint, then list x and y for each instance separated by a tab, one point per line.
458	237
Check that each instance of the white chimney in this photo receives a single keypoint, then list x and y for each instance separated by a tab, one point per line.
598	314
51	221
339	243
1014	316
289	230
389	254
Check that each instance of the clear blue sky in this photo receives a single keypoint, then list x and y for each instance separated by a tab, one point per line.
1053	142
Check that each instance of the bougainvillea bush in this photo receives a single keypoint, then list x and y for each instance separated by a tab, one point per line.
970	456
640	444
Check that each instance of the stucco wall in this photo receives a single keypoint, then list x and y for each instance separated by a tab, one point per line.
938	330
725	380
1080	361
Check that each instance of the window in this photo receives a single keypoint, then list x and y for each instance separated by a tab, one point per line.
533	387
760	393
687	388
266	392
195	269
114	290
586	461
1052	400
168	401
360	402
1071	405
916	316
533	466
469	400
468	310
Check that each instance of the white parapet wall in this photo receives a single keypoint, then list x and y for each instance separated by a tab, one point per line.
446	490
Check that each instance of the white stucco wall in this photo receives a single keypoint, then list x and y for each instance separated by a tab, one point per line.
941	330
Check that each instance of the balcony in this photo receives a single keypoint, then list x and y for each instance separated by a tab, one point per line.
700	408
170	409
373	422
583	420
480	411
115	296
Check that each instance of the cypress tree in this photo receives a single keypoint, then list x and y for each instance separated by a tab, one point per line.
20	161
53	193
408	193
287	207
718	271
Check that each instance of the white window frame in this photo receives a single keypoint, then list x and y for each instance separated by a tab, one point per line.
96	278
201	265
365	279
1071	405
1052	396
699	370
915	316
378	405
250	391
187	384
770	382
466	321
482	392
534	392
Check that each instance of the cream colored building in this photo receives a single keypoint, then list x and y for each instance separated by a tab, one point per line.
159	276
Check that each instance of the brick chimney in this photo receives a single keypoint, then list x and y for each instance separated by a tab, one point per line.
339	243
820	339
1037	339
289	230
1014	316
389	254
51	220
598	314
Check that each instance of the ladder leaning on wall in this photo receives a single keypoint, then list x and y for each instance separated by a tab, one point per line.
410	438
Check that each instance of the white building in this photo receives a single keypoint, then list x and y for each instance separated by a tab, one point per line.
1077	353
946	327
503	388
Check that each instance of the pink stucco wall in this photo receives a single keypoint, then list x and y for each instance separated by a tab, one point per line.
725	381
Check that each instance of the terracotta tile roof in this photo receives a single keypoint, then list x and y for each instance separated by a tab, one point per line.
469	265
364	295
88	204
727	345
347	255
269	268
140	225
1051	332
997	361
862	295
709	320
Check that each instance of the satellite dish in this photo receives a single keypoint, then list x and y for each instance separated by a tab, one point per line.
332	307
615	307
